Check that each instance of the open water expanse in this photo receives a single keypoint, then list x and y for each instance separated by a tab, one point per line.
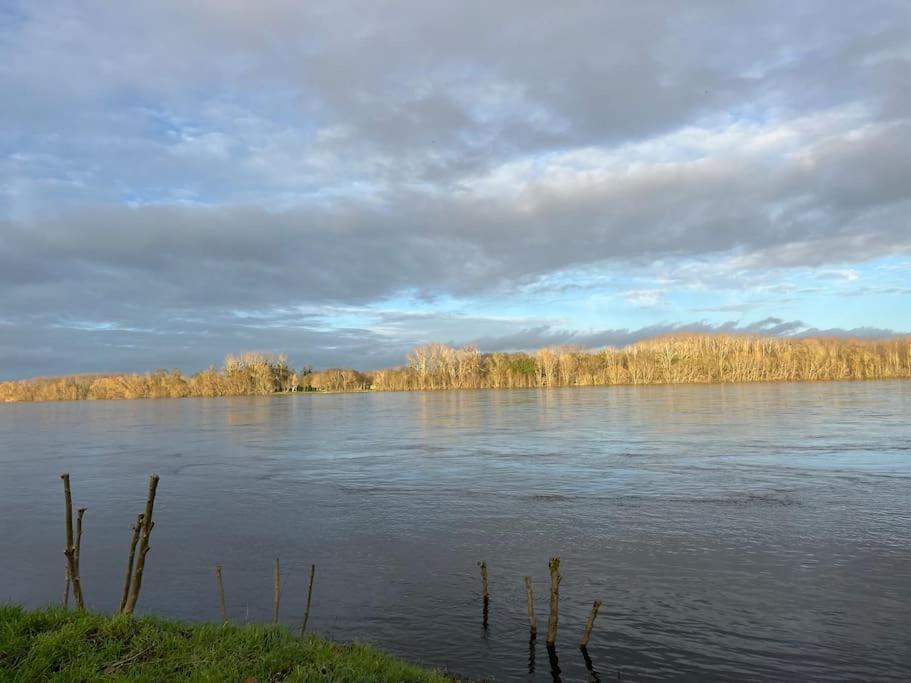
757	532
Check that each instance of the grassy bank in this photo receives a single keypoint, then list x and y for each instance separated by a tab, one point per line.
55	644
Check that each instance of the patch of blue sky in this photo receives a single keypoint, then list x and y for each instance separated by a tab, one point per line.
873	294
12	18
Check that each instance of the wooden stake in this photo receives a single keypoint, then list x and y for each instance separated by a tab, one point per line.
129	573
221	593
555	578
70	550
79	513
66	569
147	524
277	592
587	633
530	598
66	584
309	595
484	592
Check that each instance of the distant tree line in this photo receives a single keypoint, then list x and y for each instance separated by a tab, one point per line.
666	360
243	374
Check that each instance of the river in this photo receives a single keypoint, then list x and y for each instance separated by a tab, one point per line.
732	532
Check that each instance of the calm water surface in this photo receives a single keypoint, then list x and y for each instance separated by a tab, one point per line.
755	532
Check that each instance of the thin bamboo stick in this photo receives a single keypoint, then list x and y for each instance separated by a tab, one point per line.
309	596
221	594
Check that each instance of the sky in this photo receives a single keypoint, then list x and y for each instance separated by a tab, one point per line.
342	181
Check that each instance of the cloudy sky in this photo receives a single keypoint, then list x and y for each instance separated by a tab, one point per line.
340	181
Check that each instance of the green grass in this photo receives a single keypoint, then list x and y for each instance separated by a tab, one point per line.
59	645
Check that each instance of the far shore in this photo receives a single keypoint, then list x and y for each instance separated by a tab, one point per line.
692	359
335	392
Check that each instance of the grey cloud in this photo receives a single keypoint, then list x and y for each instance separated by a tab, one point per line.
171	162
357	251
112	262
434	92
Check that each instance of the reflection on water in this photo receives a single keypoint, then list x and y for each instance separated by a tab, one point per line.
589	665
554	664
753	531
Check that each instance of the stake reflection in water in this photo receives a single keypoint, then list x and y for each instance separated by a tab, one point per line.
554	664
596	677
484	592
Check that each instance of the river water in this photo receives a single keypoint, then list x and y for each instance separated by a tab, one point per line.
755	532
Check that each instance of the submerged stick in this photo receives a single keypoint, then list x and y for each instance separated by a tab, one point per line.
221	593
277	592
147	524
70	550
555	578
309	596
129	573
484	592
530	599
587	633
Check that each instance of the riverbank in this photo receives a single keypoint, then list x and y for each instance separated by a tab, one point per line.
71	645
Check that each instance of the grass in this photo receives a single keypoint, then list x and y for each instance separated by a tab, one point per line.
60	645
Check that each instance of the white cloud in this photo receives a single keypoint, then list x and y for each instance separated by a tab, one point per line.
644	297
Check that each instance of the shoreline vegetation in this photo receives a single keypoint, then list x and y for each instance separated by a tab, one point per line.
689	359
37	645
